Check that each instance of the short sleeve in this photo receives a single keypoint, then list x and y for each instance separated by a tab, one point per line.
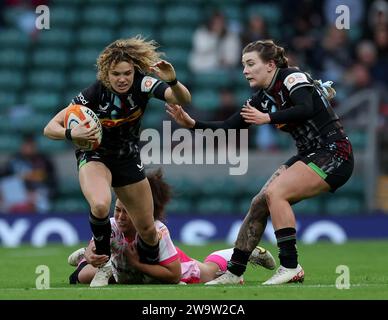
153	87
296	80
167	250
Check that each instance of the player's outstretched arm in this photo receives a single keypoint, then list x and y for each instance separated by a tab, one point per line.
180	116
168	273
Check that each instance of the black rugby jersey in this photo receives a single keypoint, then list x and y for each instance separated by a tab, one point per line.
120	114
321	127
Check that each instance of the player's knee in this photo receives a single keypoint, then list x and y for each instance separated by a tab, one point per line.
270	194
100	209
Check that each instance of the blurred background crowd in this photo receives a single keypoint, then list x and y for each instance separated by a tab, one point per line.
41	70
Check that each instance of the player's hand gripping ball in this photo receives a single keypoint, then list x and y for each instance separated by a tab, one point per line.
75	115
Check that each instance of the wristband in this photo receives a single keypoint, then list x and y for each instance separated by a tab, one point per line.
172	82
68	134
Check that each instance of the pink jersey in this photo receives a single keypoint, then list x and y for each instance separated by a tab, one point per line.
122	272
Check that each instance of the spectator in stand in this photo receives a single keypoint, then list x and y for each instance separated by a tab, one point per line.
381	40
366	52
214	46
378	14
256	29
228	105
28	181
336	54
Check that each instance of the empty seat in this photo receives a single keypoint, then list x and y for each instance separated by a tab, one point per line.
86	57
55	37
32	124
13	38
43	101
243	205
46	79
101	15
187	15
111	2
243	95
95	36
177	36
231	11
11	79
141	15
69	188
50	146
358	138
9	143
270	12
355	186
147	32
215	79
180	206
239	80
177	56
64	16
12	57
344	206
206	100
82	78
284	140
7	98
309	206
50	58
152	120
70	206
215	205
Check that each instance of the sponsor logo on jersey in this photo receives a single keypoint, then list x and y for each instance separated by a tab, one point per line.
81	98
147	83
140	166
109	123
294	79
131	102
101	108
280	125
264	105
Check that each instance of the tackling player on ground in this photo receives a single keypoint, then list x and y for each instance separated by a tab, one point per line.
174	265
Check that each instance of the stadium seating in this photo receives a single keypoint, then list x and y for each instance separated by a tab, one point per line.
11	79
43	101
50	58
64	15
13	38
12	57
58	37
141	15
103	15
308	207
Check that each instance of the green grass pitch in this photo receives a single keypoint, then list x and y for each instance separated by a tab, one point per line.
367	263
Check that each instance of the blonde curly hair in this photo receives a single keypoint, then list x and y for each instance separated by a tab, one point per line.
141	52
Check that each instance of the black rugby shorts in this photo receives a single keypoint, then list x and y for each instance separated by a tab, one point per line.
124	171
334	162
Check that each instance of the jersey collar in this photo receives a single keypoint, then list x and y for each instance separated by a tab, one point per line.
272	81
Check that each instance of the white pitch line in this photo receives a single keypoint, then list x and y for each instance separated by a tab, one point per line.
162	287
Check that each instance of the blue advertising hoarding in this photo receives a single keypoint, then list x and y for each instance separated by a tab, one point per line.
40	230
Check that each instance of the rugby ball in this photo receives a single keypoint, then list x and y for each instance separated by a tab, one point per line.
75	114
